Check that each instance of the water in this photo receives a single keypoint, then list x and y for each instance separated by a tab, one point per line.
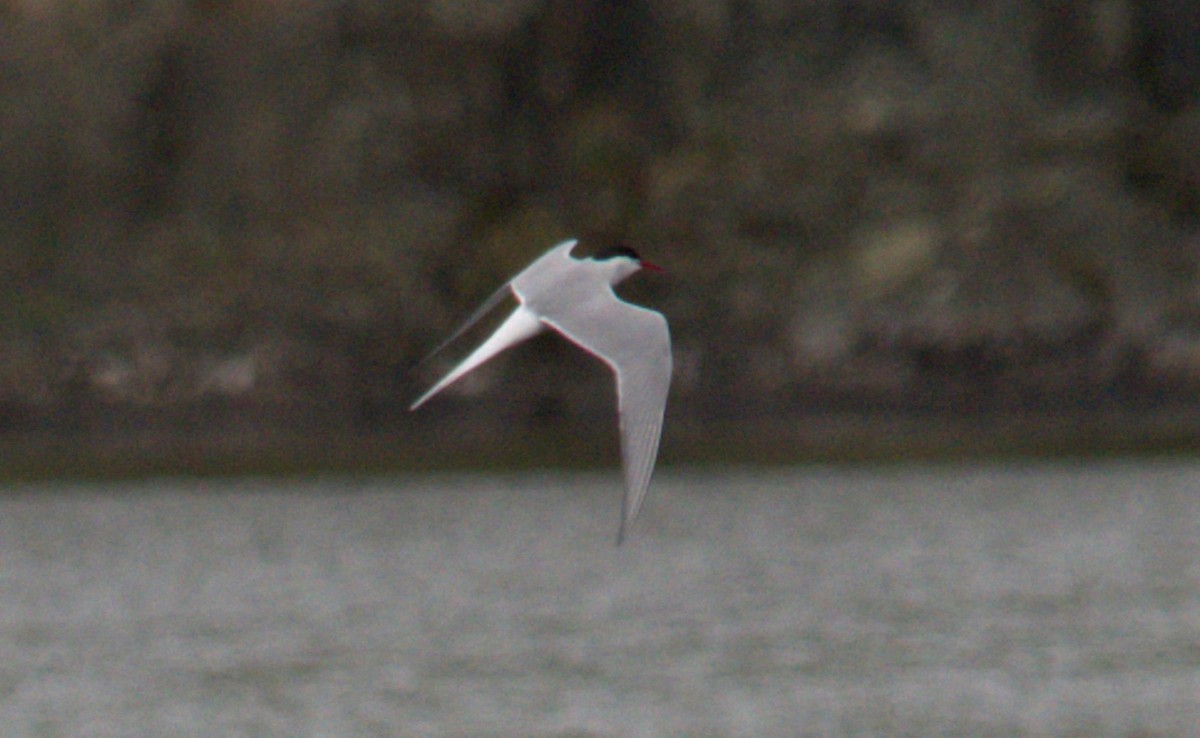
1024	600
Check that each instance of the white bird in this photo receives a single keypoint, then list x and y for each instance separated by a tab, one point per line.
575	297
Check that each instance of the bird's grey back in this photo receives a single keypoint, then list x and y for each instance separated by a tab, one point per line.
557	282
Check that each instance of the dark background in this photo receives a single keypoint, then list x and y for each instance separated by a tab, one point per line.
229	230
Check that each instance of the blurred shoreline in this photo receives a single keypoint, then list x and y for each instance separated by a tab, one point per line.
815	439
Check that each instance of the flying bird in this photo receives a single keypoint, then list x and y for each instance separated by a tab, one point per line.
575	298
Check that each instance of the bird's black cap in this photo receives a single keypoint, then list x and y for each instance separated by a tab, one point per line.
612	252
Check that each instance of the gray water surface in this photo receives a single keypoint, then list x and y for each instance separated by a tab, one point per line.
1006	600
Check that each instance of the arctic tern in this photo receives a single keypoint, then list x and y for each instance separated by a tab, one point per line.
575	298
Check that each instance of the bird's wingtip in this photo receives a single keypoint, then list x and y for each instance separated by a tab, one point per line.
624	528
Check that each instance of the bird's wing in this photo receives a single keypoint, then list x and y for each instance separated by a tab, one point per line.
559	251
636	344
481	311
521	325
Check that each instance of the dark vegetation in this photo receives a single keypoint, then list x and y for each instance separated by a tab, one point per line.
234	224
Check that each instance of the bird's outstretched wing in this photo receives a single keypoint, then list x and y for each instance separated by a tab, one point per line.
636	344
559	251
481	311
519	326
